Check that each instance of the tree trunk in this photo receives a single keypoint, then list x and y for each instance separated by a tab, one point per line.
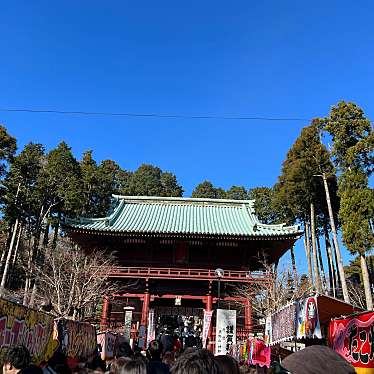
9	256
366	280
307	250
33	294
330	262
314	246
294	269
55	235
17	245
335	240
322	268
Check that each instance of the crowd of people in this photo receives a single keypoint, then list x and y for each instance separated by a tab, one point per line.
312	360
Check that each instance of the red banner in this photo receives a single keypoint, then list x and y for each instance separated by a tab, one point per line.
206	326
353	338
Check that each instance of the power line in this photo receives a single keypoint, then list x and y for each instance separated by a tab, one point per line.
151	115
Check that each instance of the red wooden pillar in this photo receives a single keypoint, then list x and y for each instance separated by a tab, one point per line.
209	308
145	309
105	314
248	315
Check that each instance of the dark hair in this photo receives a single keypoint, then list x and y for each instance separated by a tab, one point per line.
196	361
227	364
18	356
135	366
124	350
154	350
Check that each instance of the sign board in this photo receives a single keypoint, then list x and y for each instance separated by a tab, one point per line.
225	331
353	339
22	325
127	330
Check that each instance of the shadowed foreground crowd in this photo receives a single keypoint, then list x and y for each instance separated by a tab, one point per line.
312	360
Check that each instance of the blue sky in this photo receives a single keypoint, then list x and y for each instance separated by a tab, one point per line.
260	58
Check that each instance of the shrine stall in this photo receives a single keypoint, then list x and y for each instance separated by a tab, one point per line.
306	319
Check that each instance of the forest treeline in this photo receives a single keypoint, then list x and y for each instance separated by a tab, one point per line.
324	190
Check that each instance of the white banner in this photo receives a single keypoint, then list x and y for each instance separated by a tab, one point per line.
206	325
225	331
151	329
128	319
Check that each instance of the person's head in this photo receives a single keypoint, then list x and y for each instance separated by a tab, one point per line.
124	350
135	366
227	364
118	364
196	361
17	358
168	358
154	350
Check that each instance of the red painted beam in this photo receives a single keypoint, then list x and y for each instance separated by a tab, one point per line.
187	274
184	297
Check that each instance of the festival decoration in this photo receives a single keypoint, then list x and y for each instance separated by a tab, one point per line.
22	325
307	321
283	324
353	339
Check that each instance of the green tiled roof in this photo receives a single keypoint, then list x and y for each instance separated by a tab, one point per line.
173	215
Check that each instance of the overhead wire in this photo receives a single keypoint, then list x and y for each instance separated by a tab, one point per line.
154	115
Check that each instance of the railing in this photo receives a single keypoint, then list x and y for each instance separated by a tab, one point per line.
188	274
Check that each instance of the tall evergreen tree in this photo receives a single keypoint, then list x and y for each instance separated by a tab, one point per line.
8	147
300	191
237	193
207	190
352	151
149	180
264	204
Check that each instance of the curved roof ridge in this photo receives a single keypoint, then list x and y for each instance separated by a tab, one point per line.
183	199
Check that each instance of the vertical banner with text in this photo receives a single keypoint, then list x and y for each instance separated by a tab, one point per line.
151	330
206	325
128	320
225	331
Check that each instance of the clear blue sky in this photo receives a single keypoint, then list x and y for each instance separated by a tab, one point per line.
260	58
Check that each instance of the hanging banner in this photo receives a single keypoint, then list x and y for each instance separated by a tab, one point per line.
353	339
259	353
106	342
225	331
151	330
268	331
206	326
127	329
307	321
283	324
